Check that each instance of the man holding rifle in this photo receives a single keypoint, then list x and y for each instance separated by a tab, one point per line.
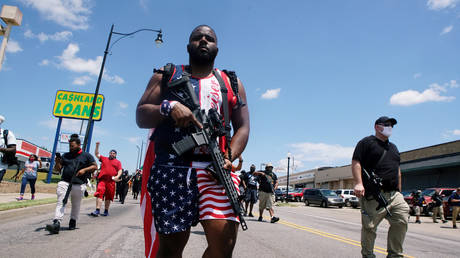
377	177
77	167
182	189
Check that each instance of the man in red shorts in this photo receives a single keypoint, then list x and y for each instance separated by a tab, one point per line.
109	174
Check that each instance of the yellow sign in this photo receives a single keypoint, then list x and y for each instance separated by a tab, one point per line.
70	104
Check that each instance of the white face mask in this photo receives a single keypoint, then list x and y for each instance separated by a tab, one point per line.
387	131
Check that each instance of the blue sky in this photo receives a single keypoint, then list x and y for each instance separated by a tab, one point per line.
317	73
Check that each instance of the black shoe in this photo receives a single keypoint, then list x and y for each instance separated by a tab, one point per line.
72	224
260	218
455	226
435	222
418	222
250	215
274	219
53	228
444	221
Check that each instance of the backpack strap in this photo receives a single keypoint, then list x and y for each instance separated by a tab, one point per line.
234	83
167	72
228	128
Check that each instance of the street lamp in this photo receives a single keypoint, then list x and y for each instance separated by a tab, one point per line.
138	154
11	16
287	179
89	126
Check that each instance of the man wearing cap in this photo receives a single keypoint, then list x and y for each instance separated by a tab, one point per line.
376	153
110	173
7	147
268	182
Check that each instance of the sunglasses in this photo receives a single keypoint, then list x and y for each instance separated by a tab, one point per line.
386	124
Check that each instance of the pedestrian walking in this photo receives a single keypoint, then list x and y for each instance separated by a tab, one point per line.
124	185
137	183
437	206
7	149
417	203
376	153
454	201
268	182
77	166
251	196
110	173
29	175
181	190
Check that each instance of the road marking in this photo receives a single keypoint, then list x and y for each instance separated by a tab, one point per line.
335	237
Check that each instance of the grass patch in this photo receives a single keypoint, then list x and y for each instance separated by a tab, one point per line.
283	204
41	176
25	203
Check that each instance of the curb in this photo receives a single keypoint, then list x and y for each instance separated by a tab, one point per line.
18	213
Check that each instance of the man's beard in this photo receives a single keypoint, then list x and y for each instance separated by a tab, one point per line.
199	58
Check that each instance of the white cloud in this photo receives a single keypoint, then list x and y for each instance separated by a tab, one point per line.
122	104
13	46
441	4
413	97
453	84
271	94
73	14
294	163
330	154
449	134
68	125
82	80
70	61
456	132
447	29
58	36
44	62
417	75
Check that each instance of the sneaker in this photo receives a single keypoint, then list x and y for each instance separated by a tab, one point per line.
72	224
53	228
94	213
245	214
33	197
20	198
455	226
435	221
274	219
418	222
105	214
444	221
260	218
250	215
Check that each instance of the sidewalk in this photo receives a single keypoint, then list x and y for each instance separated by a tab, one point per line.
11	197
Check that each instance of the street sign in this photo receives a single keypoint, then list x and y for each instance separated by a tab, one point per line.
65	137
70	104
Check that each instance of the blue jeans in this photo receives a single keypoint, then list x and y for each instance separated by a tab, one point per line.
31	182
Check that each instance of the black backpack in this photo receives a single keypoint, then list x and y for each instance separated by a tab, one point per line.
8	157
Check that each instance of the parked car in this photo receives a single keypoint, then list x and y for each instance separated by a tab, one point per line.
354	202
427	193
295	195
322	197
346	194
279	195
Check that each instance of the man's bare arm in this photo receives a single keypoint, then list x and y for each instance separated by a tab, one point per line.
96	150
148	109
240	122
356	171
399	181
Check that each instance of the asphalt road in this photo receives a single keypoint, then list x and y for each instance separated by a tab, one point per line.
301	232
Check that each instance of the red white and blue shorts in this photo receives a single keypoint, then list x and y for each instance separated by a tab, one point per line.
181	196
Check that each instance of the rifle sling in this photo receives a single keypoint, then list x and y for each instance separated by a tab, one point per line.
224	91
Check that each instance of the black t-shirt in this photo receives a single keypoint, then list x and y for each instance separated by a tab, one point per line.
368	152
267	182
72	163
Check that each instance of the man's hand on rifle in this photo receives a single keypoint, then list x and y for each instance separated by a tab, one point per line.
228	164
81	172
183	116
359	190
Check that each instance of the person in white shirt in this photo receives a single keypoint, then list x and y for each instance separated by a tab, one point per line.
7	148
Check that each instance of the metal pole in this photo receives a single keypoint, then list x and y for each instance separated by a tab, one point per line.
90	120
287	182
137	160
4	42
53	155
140	156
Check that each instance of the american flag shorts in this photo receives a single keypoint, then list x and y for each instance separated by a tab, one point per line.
183	195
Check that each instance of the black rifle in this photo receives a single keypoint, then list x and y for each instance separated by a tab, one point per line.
374	188
212	129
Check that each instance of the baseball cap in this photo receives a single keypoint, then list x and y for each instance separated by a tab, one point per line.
384	119
114	151
269	164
